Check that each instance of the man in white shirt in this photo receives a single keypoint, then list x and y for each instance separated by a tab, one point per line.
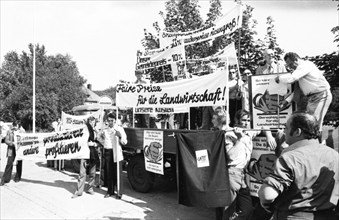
312	84
270	66
112	137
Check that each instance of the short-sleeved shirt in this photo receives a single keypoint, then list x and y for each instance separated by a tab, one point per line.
306	177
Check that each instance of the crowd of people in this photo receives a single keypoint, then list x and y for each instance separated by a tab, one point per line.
304	182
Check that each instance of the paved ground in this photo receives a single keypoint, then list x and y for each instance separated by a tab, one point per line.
46	194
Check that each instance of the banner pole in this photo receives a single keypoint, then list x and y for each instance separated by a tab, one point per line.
118	168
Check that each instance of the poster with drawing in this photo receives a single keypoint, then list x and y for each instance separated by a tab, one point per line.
260	165
267	101
154	151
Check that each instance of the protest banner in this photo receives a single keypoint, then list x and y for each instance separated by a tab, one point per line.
67	144
72	121
208	90
159	57
267	101
225	25
228	55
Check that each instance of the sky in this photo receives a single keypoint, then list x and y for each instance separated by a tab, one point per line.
102	37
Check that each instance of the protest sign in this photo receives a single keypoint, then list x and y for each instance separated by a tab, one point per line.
160	57
267	102
208	90
154	151
72	121
68	144
261	164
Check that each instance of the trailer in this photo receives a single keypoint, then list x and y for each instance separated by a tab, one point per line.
140	179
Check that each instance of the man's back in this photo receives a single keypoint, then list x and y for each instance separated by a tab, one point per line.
309	171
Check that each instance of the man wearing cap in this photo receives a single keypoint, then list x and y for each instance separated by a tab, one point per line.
270	66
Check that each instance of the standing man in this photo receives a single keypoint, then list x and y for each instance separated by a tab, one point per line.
58	164
312	84
305	179
270	65
111	138
90	163
143	119
244	90
11	153
234	98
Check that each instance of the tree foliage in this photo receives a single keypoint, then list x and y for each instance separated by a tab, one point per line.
183	15
57	87
271	39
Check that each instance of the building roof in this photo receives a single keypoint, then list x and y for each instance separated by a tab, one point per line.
91	96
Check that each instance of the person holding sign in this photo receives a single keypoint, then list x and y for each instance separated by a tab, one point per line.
312	84
304	183
239	147
111	137
90	163
11	154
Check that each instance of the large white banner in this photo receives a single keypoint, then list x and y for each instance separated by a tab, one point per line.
70	144
225	25
159	57
73	121
208	90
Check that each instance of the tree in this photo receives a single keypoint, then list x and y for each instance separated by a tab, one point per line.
335	30
249	49
214	12
58	87
329	64
271	39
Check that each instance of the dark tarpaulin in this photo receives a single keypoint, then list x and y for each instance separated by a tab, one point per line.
204	186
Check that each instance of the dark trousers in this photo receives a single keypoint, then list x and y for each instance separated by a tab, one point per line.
111	172
234	106
9	167
259	212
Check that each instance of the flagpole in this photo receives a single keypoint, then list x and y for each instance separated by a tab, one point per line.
33	129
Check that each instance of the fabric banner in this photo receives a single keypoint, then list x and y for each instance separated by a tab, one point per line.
73	121
201	169
68	144
160	57
225	25
227	56
208	90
